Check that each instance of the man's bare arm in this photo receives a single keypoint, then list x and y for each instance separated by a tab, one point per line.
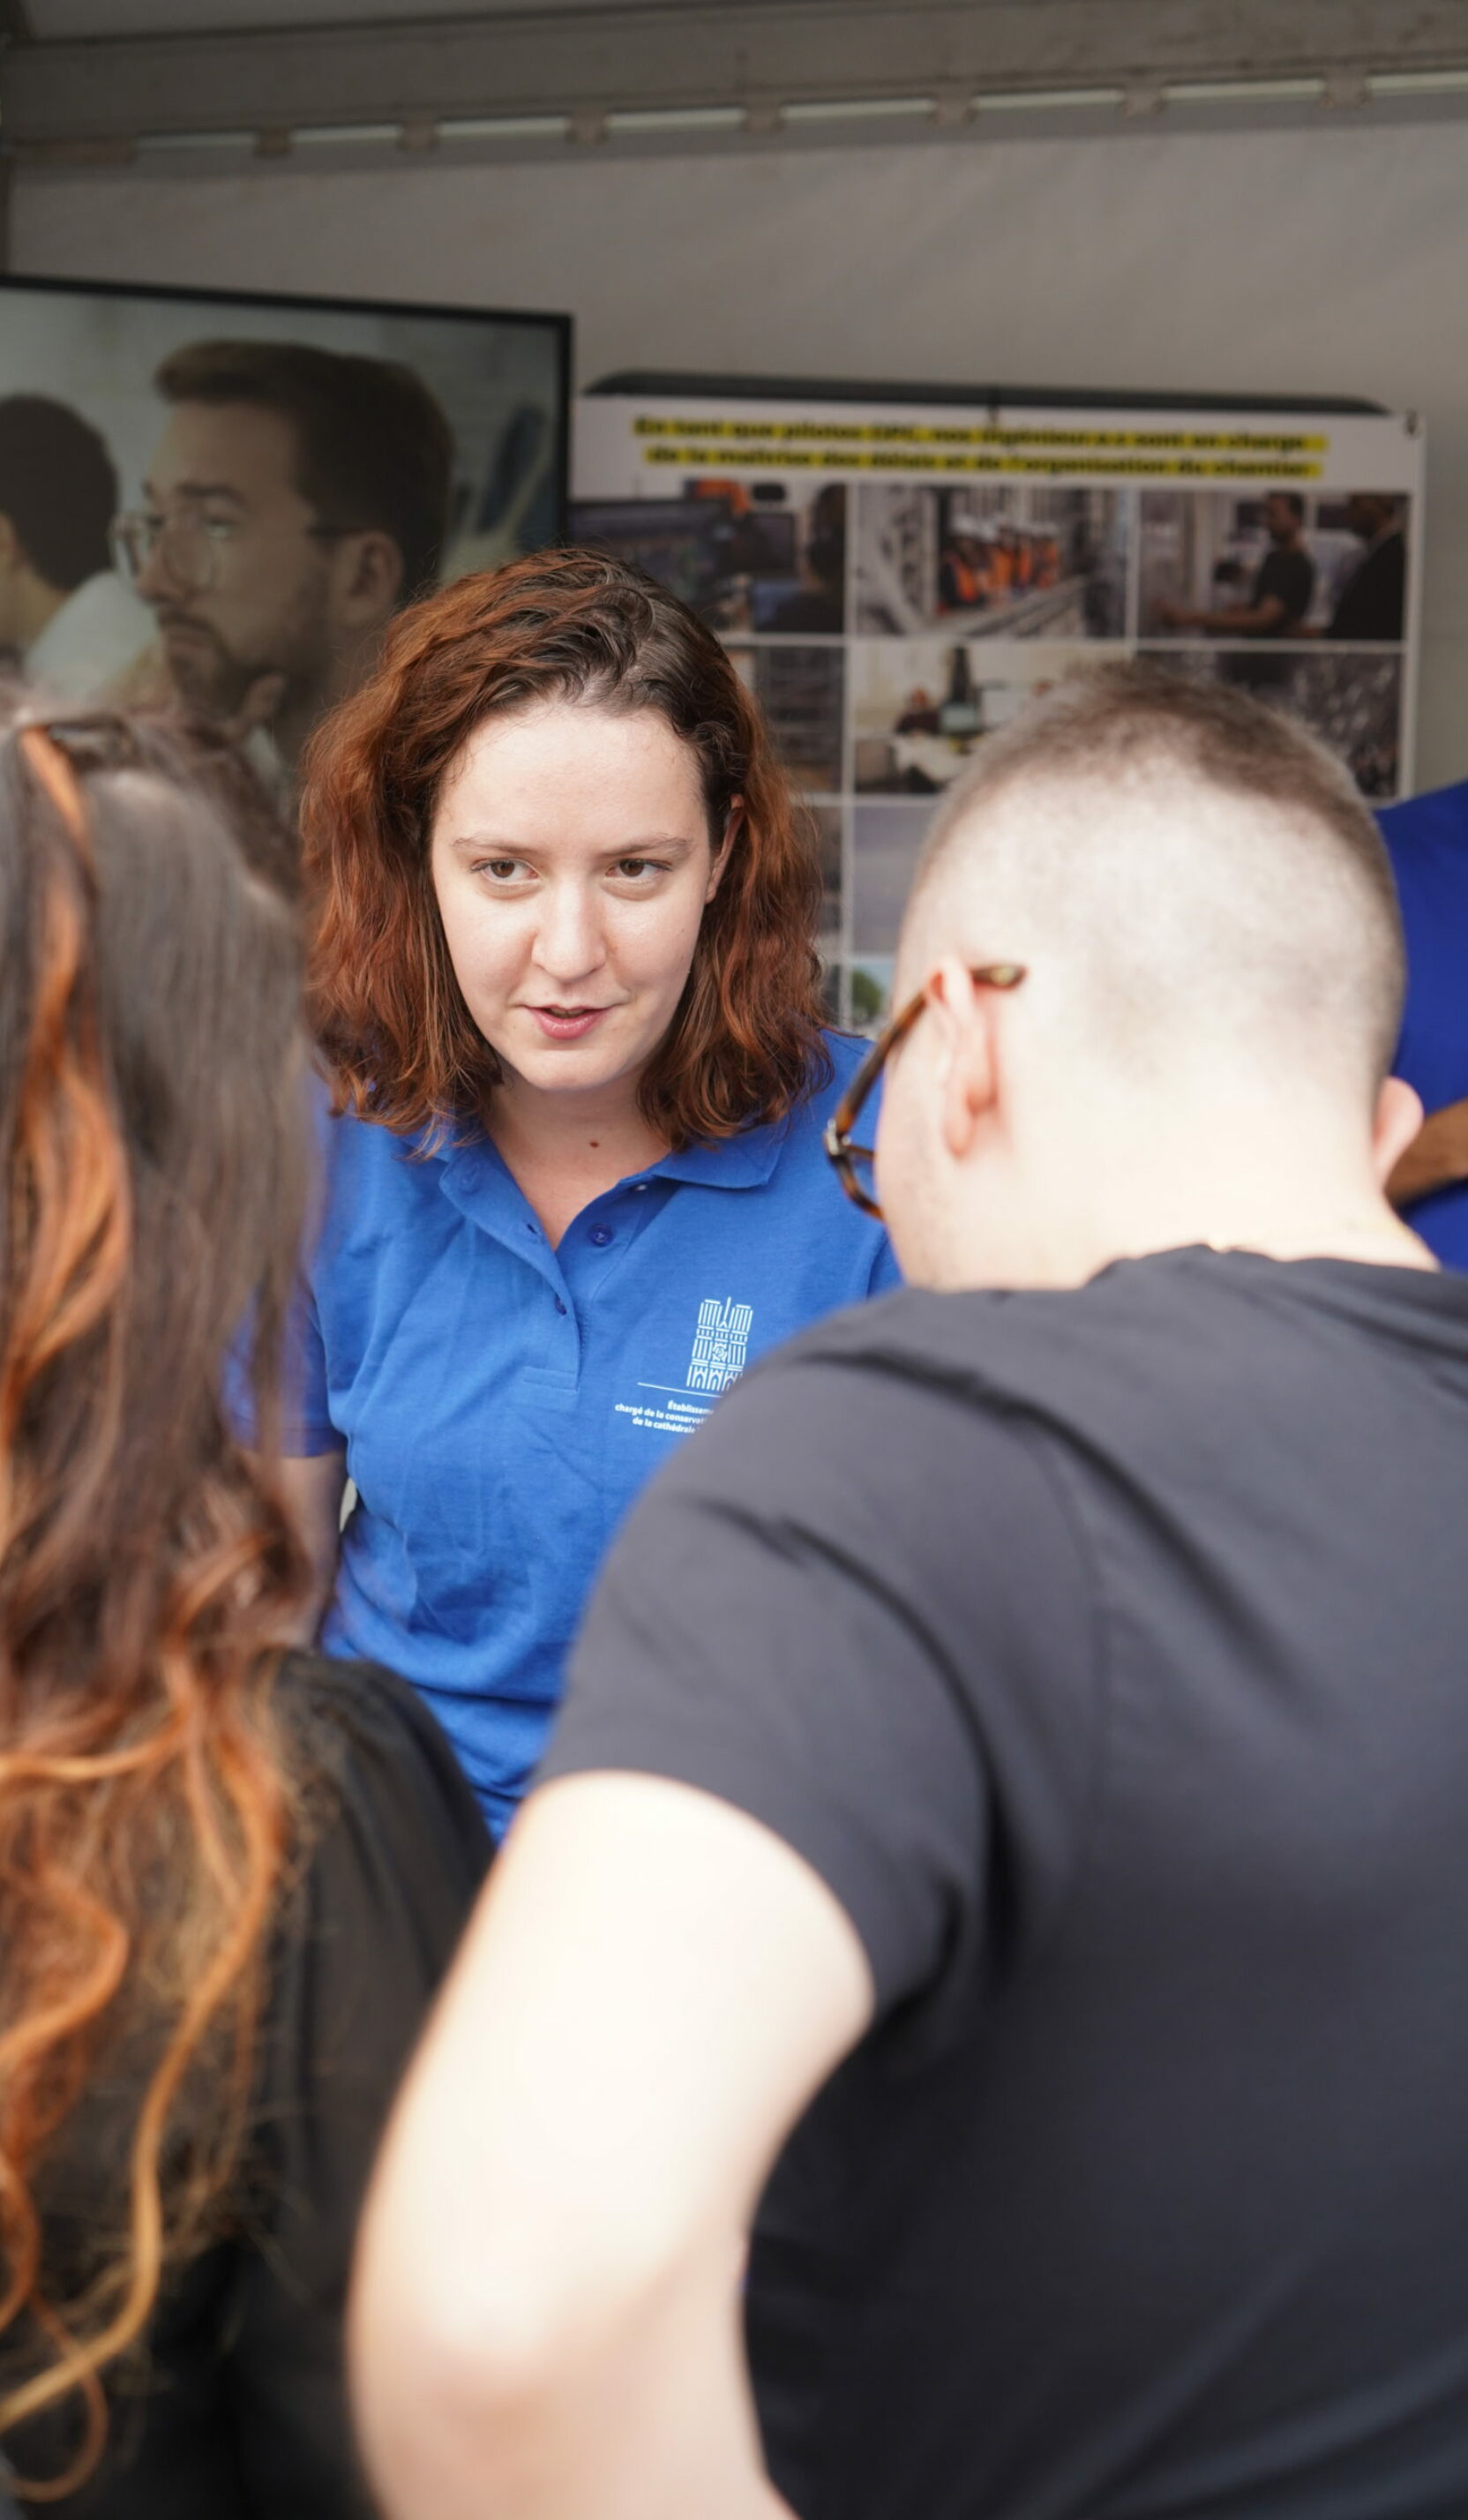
547	2320
1247	620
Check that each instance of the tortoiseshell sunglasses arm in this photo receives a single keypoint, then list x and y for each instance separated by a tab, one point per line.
840	1146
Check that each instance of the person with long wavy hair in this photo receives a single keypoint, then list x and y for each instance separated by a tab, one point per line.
566	982
228	1878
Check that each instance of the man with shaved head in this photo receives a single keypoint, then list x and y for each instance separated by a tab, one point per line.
1004	1854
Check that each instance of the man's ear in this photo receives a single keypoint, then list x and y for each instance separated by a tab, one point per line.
368	578
1398	1121
964	1053
11	554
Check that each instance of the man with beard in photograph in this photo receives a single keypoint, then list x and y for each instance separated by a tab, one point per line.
297	500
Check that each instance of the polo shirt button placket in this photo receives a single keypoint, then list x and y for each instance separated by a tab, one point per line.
601	1234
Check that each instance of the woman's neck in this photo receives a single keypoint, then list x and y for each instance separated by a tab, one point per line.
566	1149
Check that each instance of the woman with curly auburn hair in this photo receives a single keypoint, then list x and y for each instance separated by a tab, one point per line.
566	980
229	1878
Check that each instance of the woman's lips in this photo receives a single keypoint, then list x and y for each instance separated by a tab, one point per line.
567	1023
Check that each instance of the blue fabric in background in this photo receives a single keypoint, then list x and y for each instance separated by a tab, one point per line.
1428	841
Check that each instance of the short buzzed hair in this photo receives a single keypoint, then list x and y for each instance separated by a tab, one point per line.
372	447
1205	865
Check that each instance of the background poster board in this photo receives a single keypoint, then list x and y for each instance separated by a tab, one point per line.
895	580
466	408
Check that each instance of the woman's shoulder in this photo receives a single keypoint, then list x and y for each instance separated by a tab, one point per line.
392	1850
343	1135
842	1054
375	1766
371	1172
846	1052
340	1119
331	1700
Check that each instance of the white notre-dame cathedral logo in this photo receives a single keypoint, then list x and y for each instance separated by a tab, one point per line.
720	1344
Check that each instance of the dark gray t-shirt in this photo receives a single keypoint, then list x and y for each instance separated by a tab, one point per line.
1105	1654
1290	577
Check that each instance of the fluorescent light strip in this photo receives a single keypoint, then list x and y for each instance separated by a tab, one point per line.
344	135
677	117
859	109
1285	91
1418	82
504	126
191	140
1054	99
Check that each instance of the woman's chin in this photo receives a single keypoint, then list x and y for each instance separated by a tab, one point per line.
586	1065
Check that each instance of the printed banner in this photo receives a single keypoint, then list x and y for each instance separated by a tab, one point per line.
895	582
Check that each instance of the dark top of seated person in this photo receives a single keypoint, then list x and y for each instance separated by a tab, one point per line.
229	1880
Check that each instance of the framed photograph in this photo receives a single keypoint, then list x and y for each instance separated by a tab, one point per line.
769	558
224	499
1275	567
999	560
920	708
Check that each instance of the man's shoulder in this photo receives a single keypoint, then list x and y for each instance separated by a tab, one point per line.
1140	1353
869	1396
1287	570
94	636
989	1345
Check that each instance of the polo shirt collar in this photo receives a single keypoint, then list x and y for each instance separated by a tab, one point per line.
744	1162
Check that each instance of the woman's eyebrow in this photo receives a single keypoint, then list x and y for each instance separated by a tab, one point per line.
665	842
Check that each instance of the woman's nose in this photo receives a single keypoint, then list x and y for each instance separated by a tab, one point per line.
570	942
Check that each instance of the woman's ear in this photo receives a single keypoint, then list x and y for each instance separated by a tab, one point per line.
732	824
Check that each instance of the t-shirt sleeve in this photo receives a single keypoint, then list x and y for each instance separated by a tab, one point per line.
371	1931
1290	577
854	1607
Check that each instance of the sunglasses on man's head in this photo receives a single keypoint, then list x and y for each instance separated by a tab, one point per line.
855	1164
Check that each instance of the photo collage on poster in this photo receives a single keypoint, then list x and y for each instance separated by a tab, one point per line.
888	626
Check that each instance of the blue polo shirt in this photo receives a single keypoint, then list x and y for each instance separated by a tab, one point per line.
502	1403
1428	842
